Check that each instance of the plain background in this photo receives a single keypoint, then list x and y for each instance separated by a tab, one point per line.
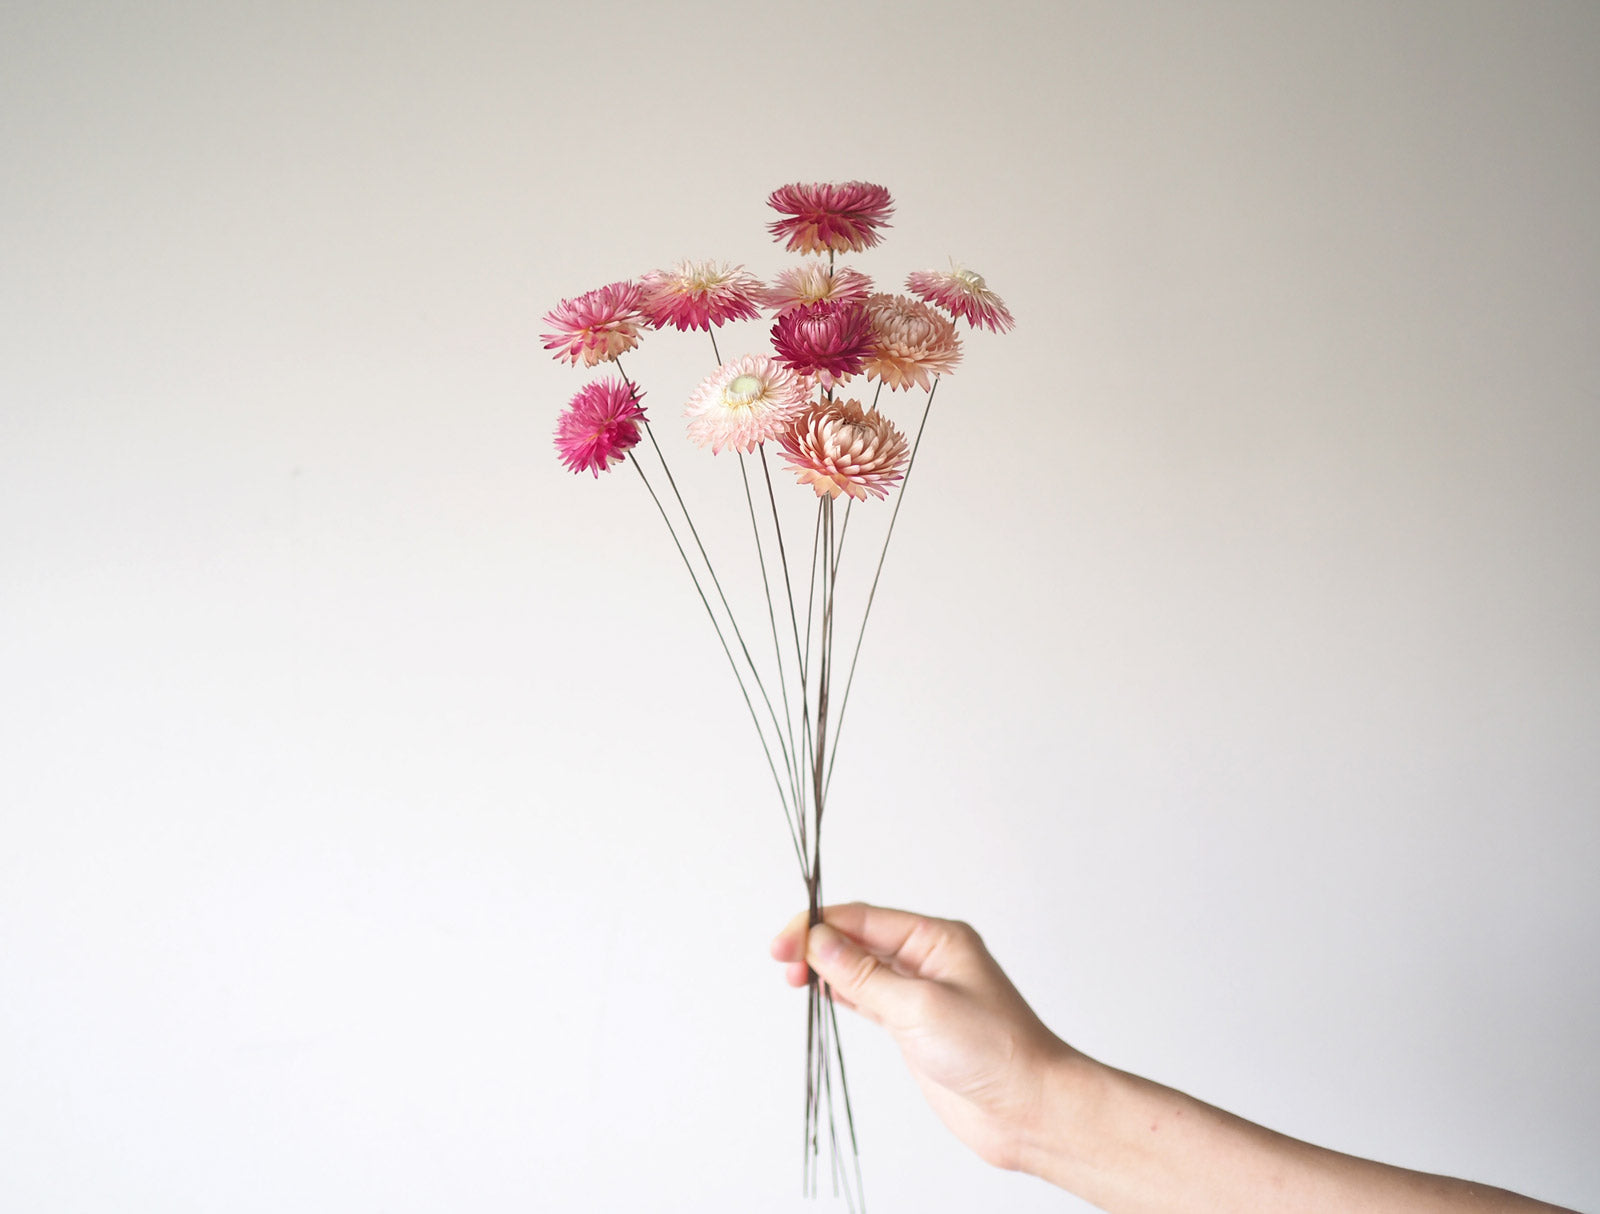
379	829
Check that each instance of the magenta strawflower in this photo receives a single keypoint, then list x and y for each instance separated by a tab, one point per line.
911	342
841	217
837	447
814	282
596	326
699	295
830	341
600	423
745	402
962	293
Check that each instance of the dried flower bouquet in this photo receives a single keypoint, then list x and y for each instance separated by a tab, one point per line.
831	329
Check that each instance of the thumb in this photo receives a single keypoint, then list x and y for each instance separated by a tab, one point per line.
863	981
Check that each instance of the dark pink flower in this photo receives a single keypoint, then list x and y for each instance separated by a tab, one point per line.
842	216
600	423
596	326
830	341
699	295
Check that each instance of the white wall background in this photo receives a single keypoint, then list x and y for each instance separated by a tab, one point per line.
378	830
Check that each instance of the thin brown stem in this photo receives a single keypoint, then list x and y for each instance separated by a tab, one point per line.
900	498
844	1089
791	755
812	1007
799	842
825	655
843	531
783	557
755	671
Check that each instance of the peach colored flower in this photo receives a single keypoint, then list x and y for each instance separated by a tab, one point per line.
600	423
836	447
699	295
596	326
962	293
811	282
911	342
745	402
842	217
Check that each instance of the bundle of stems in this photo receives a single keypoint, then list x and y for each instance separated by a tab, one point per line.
799	732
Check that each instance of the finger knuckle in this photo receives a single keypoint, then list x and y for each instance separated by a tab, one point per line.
966	934
862	971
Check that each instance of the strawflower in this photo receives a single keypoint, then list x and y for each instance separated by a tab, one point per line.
699	295
839	217
830	341
745	402
836	447
911	342
962	293
596	326
600	423
813	282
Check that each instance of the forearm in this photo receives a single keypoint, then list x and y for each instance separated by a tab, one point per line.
1129	1146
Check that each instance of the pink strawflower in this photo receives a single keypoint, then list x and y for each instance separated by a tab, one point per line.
699	295
962	293
830	341
745	402
813	282
600	423
842	217
836	447
911	342
596	326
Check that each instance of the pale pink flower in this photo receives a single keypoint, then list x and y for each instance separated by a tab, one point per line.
699	295
745	402
911	342
836	447
830	341
842	216
600	423
813	282
962	293
596	326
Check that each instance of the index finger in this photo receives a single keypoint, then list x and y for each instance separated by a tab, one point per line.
919	945
881	931
903	939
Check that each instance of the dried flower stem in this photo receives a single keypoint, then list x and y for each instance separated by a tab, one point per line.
772	618
755	720
843	531
733	623
899	498
844	1089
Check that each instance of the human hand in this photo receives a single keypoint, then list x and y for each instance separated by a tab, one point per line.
973	1044
1023	1099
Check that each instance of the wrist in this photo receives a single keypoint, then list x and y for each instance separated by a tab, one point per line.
1056	1142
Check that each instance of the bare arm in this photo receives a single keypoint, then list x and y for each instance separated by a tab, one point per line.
1024	1099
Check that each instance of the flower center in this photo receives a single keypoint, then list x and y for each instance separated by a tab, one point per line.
814	288
742	390
971	279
